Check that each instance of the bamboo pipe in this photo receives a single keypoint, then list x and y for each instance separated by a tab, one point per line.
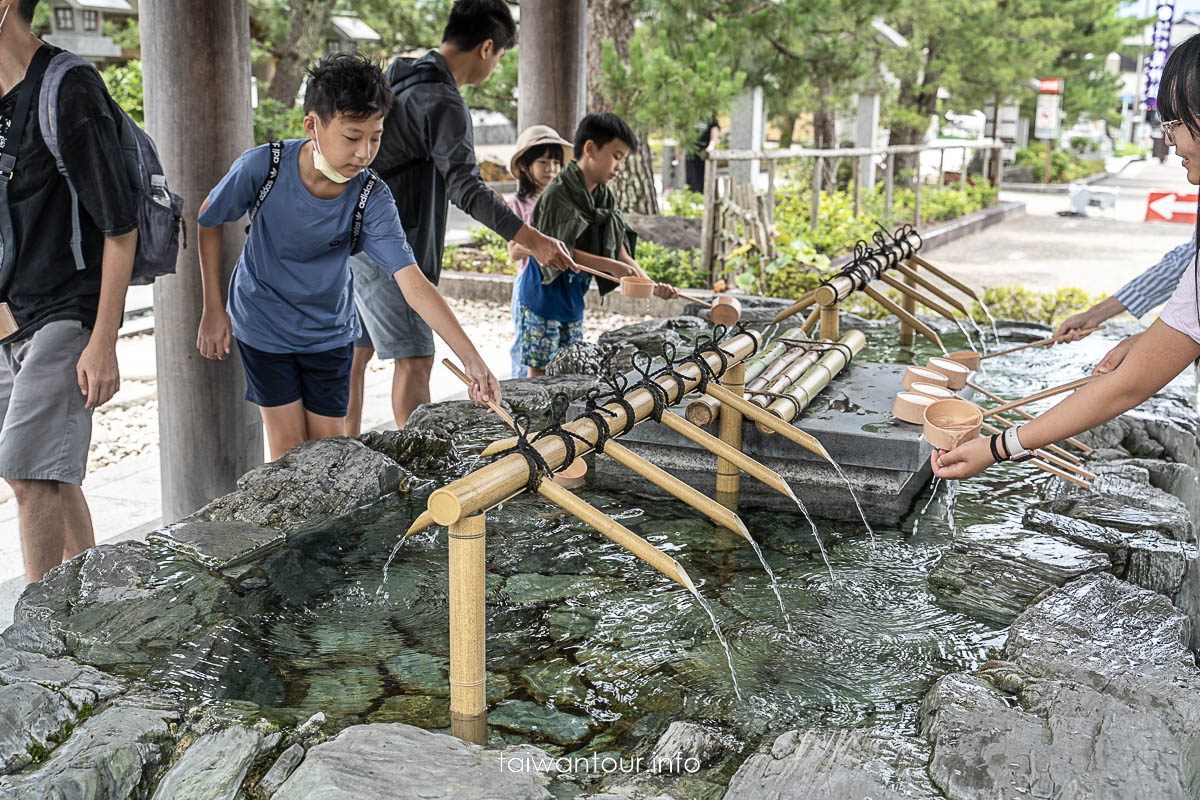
617	533
806	300
839	287
468	629
904	316
813	381
718	448
491	484
1022	412
830	319
1042	395
675	487
788	377
776	368
957	284
703	410
1054	466
805	440
810	321
924	300
938	291
730	431
1039	342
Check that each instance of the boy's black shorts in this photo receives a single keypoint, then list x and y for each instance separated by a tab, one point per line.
321	380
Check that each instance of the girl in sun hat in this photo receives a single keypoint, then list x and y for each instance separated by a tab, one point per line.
539	158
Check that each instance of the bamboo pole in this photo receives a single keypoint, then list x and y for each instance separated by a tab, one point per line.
1054	466
675	487
788	377
702	411
939	292
837	288
715	446
493	483
957	284
468	629
616	532
810	321
806	300
1042	395
1022	412
914	297
904	316
728	476
805	440
776	368
829	321
1038	343
815	379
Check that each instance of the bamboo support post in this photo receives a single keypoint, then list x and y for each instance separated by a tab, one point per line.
493	483
810	321
728	476
920	327
1048	463
676	488
1042	395
829	321
802	392
909	304
955	282
616	532
468	629
937	291
1023	413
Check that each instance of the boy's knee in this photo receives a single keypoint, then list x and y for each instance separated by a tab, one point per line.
414	366
31	491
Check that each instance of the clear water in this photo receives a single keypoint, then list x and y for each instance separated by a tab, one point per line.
578	625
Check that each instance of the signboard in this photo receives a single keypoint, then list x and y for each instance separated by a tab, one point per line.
1006	122
1160	41
1171	207
1050	86
1045	118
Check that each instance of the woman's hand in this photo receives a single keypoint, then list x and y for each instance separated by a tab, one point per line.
964	461
1113	358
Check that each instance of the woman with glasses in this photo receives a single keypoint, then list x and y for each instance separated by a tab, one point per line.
1168	347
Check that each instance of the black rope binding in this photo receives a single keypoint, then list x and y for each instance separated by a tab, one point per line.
658	393
559	404
596	413
538	468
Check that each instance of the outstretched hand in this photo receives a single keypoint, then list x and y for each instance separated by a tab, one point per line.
1113	358
484	386
965	461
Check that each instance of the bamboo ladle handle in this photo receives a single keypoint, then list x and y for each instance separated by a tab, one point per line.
469	381
1038	343
606	276
1042	395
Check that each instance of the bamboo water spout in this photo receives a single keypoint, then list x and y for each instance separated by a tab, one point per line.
801	393
957	284
920	327
722	450
920	280
805	440
924	300
493	483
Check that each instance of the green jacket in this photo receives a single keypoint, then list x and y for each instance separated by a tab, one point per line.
582	221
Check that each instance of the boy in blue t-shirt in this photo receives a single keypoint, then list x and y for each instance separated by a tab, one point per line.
291	301
579	209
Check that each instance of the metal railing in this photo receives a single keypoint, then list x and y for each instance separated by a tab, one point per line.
860	157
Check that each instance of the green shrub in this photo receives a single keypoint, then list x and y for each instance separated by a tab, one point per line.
680	268
273	122
1027	305
685	203
124	83
1130	149
1064	165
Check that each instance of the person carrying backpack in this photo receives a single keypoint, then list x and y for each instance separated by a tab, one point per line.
59	315
427	158
313	202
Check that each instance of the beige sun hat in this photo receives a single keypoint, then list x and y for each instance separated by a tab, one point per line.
533	136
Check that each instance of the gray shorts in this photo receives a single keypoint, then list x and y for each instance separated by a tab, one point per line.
389	323
44	428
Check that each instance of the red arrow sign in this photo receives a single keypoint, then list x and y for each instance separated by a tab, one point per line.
1171	207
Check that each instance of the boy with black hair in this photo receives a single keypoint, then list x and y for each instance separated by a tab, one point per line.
579	209
58	323
312	202
427	158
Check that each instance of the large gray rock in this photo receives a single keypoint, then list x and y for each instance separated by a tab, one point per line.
845	763
29	716
1100	698
687	747
1123	514
993	571
212	768
535	396
111	756
581	358
470	426
393	760
216	545
32	636
280	771
426	451
313	481
1163	427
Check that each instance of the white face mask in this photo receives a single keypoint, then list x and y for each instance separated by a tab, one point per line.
319	161
6	10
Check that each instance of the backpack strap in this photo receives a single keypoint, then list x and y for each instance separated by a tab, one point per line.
16	130
360	210
59	66
269	183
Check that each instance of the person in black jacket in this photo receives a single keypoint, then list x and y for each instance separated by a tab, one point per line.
427	158
58	357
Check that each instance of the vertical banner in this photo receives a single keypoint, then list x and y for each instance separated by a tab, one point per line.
1161	43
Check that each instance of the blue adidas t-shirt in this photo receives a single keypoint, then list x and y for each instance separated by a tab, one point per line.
292	291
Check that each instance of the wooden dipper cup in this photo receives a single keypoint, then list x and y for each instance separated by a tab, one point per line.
956	374
949	423
910	407
968	358
922	375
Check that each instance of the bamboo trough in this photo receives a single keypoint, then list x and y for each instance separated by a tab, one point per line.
793	400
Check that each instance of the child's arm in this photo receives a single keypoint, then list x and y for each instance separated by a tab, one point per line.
608	266
662	290
425	299
216	332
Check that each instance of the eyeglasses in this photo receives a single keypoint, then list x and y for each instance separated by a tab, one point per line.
1168	129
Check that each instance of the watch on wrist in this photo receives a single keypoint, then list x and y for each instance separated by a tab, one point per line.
1012	444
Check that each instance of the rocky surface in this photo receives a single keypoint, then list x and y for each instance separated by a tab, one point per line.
216	544
424	452
1098	697
313	481
993	571
368	761
213	768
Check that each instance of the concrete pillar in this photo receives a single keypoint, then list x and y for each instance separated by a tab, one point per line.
866	131
552	65
749	132
196	59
